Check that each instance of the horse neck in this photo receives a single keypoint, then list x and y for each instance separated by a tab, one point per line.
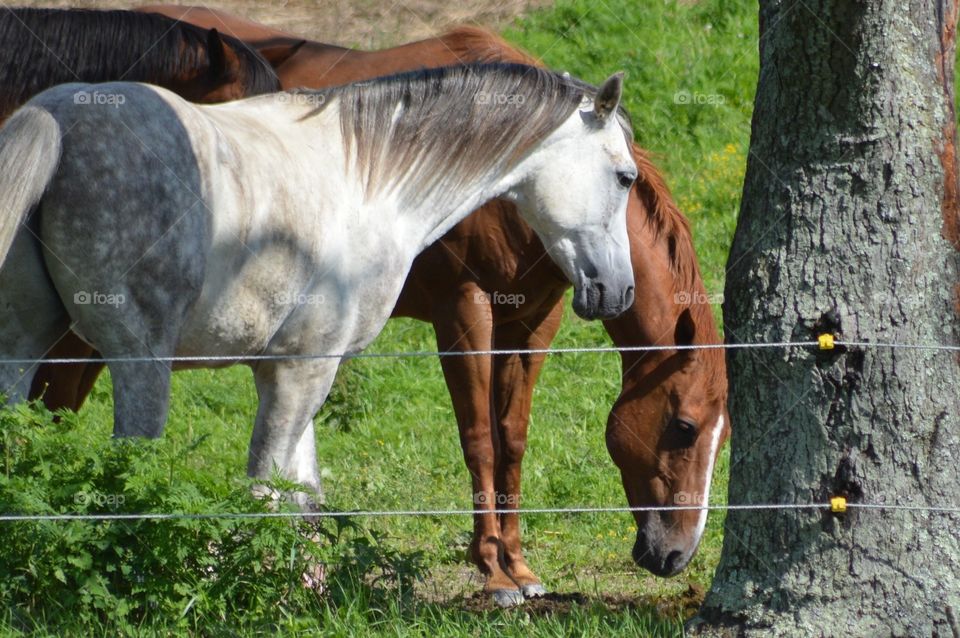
250	32
662	292
434	216
653	315
432	203
317	65
49	58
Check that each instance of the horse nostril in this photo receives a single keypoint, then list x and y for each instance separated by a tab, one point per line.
673	562
628	296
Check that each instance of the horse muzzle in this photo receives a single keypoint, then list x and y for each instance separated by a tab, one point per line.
659	556
595	300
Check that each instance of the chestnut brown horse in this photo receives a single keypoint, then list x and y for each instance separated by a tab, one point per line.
490	284
45	47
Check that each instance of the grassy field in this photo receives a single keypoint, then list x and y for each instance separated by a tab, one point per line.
387	438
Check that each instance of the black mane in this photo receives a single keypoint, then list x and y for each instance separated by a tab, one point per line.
40	48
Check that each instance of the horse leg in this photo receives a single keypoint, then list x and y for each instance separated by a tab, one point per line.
31	315
88	379
463	325
141	389
291	393
136	331
66	385
514	378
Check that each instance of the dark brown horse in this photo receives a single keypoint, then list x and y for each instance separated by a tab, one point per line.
41	48
489	283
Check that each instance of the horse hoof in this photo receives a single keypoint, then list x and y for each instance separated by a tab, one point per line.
505	598
535	590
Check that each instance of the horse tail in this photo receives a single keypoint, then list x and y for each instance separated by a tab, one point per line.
29	156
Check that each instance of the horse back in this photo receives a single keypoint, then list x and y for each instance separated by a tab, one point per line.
254	33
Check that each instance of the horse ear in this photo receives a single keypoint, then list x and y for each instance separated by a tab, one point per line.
685	330
223	60
279	54
215	53
608	97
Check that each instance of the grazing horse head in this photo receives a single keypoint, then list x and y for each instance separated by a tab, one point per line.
670	420
46	47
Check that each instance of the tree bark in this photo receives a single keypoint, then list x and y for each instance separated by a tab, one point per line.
848	225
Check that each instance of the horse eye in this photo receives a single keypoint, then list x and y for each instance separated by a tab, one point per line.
687	429
626	178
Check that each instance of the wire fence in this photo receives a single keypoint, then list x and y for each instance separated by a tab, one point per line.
169	516
821	343
824	342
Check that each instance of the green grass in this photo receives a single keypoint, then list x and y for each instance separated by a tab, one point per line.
691	70
387	439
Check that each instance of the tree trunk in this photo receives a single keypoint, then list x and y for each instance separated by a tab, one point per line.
848	225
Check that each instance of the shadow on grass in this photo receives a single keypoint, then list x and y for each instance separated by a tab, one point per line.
361	610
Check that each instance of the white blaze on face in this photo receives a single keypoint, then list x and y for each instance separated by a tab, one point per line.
714	443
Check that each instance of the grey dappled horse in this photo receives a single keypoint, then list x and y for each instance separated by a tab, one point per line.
285	224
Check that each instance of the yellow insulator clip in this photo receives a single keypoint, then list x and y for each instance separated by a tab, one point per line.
825	341
838	504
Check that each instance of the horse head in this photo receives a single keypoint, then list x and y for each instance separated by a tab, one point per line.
578	206
666	428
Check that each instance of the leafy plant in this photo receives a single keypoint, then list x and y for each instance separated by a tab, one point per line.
194	569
